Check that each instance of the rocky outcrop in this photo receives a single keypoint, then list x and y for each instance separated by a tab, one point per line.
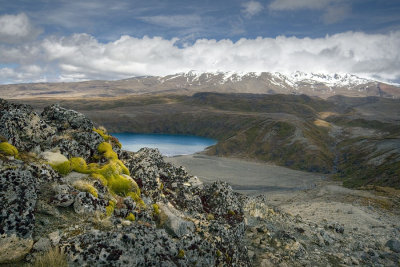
68	131
64	119
22	127
164	221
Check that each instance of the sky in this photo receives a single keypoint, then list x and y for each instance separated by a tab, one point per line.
69	40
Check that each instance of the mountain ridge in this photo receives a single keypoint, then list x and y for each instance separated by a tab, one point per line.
188	83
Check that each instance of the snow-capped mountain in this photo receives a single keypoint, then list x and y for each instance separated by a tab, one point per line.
317	84
313	84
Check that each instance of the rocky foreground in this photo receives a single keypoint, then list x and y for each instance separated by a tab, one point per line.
70	196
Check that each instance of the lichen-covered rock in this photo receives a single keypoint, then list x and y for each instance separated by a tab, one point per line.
64	119
79	144
86	203
14	248
43	244
145	165
394	245
138	245
64	195
18	199
43	172
63	200
22	127
88	141
155	177
69	131
17	219
174	221
219	199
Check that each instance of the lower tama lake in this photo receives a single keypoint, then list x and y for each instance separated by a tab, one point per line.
168	144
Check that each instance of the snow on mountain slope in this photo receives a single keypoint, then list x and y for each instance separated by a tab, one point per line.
279	79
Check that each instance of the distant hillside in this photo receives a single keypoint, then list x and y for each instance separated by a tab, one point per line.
357	139
312	84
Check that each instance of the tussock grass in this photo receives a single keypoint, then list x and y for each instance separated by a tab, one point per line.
52	258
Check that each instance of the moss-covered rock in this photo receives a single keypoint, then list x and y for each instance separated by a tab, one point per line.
8	149
78	164
130	217
63	168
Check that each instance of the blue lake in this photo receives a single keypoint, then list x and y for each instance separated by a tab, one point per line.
168	144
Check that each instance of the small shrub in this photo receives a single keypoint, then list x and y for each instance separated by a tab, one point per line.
8	149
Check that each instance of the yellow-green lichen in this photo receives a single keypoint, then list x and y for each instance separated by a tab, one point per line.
63	168
86	187
78	165
137	199
119	144
8	149
181	254
130	217
107	151
110	208
156	209
102	134
107	138
113	174
100	178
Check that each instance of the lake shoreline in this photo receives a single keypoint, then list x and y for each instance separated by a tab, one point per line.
167	144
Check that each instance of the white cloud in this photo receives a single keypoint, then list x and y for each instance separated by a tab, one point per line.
252	8
16	29
81	56
31	73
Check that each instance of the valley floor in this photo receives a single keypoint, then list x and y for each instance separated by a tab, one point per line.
247	177
315	203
